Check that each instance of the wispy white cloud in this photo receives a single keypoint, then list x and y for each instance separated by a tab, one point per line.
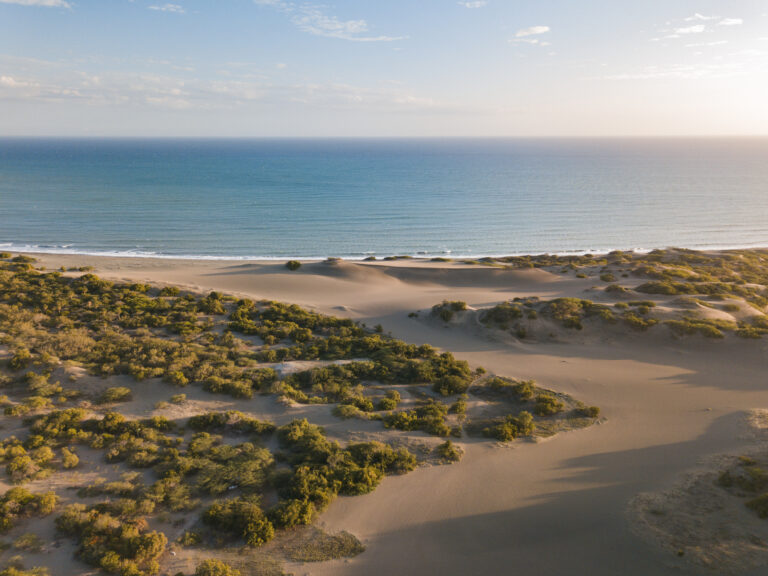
696	29
11	82
475	4
700	18
48	3
696	24
313	19
532	31
527	36
173	8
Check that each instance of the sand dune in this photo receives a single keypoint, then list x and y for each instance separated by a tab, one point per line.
560	507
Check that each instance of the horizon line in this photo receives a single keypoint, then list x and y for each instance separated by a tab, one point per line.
415	138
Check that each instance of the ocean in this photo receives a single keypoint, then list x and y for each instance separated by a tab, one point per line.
279	199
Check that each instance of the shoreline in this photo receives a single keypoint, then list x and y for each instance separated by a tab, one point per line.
416	257
670	404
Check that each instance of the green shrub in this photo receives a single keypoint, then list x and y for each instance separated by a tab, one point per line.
502	314
638	322
20	360
429	417
589	411
230	420
29	542
241	517
390	401
348	411
707	328
69	458
446	309
14	571
547	405
512	427
112	539
448	452
18	503
293	265
115	394
213	567
292	512
190	539
525	389
759	505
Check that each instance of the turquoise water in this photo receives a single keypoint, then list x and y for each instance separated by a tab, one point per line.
354	198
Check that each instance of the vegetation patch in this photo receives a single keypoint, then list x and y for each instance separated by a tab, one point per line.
214	465
315	545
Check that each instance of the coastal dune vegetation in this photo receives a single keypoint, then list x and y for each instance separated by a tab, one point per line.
684	292
73	347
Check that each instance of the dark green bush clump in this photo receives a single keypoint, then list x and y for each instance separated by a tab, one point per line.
214	567
117	394
429	417
448	452
589	411
113	538
707	328
502	314
229	420
18	503
241	517
322	469
759	505
293	265
572	311
512	427
447	309
547	405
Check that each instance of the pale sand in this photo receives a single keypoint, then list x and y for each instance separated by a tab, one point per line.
556	507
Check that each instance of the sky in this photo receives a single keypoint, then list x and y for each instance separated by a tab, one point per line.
383	68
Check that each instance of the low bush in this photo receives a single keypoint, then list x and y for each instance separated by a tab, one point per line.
112	538
19	503
512	427
390	401
446	309
759	505
231	420
293	265
547	405
502	314
588	411
448	452
214	567
242	518
116	394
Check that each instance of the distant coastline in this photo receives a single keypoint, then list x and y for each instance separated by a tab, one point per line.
65	251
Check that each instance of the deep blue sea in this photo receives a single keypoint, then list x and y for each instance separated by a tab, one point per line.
354	198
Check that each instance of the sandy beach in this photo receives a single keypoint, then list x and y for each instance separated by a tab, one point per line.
566	505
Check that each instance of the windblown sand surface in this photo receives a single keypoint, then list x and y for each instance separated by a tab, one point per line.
568	505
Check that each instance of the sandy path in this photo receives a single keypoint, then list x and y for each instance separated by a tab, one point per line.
558	507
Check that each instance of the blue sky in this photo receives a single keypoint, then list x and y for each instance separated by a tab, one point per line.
383	68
